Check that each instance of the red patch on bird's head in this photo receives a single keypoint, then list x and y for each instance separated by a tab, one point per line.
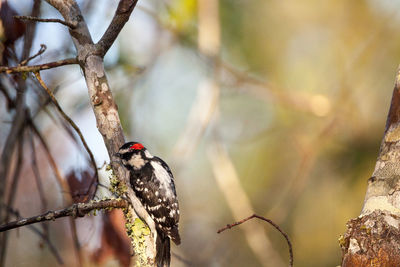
137	146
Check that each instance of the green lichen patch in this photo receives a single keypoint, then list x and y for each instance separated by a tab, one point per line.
137	231
117	186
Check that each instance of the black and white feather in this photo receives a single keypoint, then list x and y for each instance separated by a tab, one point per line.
153	183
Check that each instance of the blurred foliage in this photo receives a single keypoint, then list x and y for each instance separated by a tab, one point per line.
182	14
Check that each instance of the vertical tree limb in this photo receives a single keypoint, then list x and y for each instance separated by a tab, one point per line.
90	57
374	237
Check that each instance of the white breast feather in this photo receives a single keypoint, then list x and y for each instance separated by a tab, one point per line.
136	161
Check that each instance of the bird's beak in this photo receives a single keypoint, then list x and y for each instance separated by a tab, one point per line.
117	155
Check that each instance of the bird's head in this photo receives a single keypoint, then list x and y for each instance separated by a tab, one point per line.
133	155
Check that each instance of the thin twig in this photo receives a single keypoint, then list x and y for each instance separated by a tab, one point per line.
239	203
69	120
43	48
68	24
62	183
38	180
229	226
35	68
75	210
52	162
64	186
35	169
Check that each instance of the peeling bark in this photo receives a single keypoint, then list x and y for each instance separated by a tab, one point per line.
373	239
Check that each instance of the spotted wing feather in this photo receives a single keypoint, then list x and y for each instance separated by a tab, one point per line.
152	191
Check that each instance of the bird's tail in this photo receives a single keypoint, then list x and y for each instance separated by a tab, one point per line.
163	257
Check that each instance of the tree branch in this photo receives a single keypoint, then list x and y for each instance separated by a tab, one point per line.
36	173
229	226
68	24
239	203
42	49
75	210
105	109
373	238
45	66
121	16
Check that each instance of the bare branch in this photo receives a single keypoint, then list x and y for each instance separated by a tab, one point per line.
36	173
90	58
75	210
45	66
69	120
229	226
68	24
62	183
43	48
50	158
239	203
38	180
121	16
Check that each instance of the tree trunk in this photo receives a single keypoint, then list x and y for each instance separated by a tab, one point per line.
373	239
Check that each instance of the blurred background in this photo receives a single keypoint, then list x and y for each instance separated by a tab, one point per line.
258	106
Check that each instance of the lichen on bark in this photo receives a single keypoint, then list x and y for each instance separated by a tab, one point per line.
138	232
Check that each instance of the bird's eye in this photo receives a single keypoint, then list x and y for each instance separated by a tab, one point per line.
137	146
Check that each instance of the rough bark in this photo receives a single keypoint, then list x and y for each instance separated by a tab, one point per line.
373	239
90	58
